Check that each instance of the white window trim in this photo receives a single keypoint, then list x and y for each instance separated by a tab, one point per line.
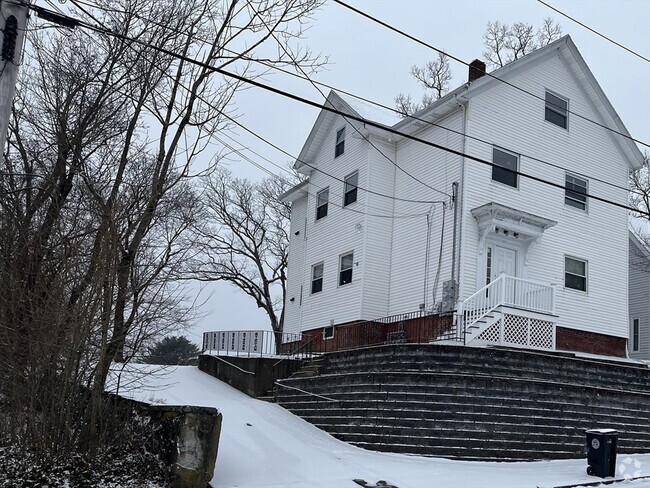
317	218
638	345
518	168
586	290
345	180
322	278
336	141
338	276
586	209
555	94
328	337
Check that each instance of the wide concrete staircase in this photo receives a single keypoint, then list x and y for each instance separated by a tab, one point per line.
473	403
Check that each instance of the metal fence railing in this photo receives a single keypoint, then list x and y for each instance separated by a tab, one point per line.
254	343
415	328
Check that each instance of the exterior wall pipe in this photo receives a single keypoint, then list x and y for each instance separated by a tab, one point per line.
458	202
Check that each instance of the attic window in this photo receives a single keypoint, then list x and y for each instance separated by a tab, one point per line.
339	148
557	109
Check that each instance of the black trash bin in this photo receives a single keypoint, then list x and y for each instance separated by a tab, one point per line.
601	452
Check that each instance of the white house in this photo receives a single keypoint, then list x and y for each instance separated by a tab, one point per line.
387	224
639	292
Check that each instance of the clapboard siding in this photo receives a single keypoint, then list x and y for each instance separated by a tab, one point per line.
337	233
438	169
598	235
639	300
378	229
391	274
295	269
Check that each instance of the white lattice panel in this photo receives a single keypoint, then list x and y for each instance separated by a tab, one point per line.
491	334
521	331
541	334
515	330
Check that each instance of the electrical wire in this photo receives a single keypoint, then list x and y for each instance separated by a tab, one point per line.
459	60
367	122
595	31
367	139
366	100
269	172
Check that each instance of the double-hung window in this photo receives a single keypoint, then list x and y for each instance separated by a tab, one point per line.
317	278
575	273
339	147
635	335
505	167
346	261
556	110
351	183
322	198
575	192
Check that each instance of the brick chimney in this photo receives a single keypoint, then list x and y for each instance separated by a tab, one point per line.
476	70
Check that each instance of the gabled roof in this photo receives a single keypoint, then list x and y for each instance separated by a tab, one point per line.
348	105
563	47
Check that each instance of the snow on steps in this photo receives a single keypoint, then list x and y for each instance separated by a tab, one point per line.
474	403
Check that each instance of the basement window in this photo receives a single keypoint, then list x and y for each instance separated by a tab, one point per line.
328	332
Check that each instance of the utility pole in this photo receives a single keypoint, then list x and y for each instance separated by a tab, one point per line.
13	22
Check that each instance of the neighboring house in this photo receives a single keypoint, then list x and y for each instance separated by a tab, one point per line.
518	261
639	292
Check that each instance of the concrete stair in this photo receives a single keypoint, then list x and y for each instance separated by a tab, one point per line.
473	403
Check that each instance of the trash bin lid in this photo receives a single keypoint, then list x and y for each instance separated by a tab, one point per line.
602	431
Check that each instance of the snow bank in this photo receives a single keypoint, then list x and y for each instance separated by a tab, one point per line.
263	445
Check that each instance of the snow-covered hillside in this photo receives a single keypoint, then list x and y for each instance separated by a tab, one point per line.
263	445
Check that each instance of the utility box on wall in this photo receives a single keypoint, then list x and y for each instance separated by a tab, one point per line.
448	296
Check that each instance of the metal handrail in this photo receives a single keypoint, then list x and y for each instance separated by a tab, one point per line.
305	344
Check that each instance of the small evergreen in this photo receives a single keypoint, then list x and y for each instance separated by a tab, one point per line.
173	350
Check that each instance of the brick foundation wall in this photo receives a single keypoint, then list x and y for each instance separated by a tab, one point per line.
352	335
589	342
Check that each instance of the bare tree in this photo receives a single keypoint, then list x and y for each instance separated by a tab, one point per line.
434	77
245	240
640	199
505	43
98	196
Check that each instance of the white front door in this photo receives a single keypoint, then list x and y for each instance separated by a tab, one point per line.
505	261
499	260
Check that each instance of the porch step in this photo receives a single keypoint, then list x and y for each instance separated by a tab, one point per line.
310	369
473	403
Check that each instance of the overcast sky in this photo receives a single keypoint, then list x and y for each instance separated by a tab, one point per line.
368	60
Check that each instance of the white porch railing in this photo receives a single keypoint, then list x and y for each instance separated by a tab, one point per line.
507	291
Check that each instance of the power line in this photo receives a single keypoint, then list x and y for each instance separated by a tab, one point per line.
366	100
595	31
271	173
347	208
457	59
338	112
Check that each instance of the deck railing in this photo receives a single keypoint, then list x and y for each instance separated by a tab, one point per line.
254	343
508	291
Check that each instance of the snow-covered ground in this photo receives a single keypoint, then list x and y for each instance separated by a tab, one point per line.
263	445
